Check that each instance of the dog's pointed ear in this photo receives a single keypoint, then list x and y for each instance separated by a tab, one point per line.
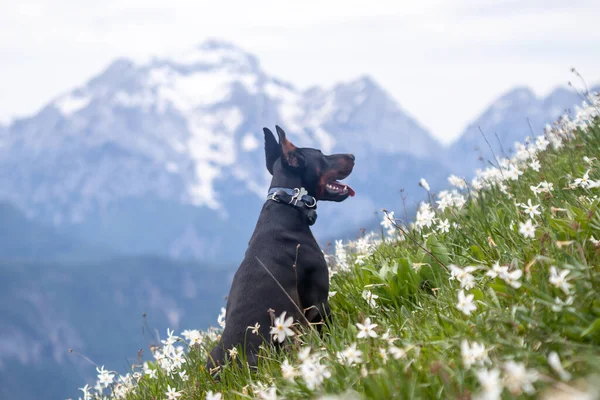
288	150
272	149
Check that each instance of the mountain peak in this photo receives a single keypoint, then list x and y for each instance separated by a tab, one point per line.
363	84
213	53
215	43
520	94
183	129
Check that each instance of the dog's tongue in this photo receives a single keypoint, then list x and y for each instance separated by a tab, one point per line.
352	192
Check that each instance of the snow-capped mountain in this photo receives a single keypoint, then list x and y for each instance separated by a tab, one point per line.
514	116
167	156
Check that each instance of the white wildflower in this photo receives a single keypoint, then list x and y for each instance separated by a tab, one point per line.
281	327
443	226
388	220
313	372
560	304
364	245
341	256
541	143
423	183
535	165
521	153
221	318
184	376
364	372
233	352
288	371
491	385
512	278
517	378
496	270
171	338
213	396
584	181
445	200
255	329
350	356
425	216
560	279
105	378
383	354
457	182
513	173
193	336
304	354
535	189
556	365
87	394
473	354
172	393
546	187
366	330
465	303
150	372
361	258
458	200
397	352
527	229
463	276
370	298
268	393
530	209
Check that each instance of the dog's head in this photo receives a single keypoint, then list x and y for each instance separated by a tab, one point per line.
319	173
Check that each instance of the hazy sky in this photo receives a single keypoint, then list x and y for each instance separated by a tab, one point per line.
443	61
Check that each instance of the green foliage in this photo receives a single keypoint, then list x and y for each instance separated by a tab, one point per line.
417	352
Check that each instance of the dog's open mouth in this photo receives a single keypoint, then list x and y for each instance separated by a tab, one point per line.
338	188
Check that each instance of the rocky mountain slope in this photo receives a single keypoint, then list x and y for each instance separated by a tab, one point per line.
143	158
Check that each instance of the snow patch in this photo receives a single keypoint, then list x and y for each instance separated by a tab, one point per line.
211	56
232	119
160	76
326	141
70	104
187	92
211	146
250	142
278	91
143	100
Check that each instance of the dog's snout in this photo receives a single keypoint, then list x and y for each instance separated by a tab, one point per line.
350	156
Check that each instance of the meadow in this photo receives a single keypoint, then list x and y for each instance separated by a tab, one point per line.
493	291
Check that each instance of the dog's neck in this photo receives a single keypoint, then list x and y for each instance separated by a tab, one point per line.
287	178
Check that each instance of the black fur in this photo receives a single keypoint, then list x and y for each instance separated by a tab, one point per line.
279	231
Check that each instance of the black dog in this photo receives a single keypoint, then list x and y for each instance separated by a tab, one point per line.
301	176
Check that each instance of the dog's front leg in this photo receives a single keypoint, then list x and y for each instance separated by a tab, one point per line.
313	291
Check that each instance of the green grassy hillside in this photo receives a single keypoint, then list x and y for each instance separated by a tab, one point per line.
493	292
